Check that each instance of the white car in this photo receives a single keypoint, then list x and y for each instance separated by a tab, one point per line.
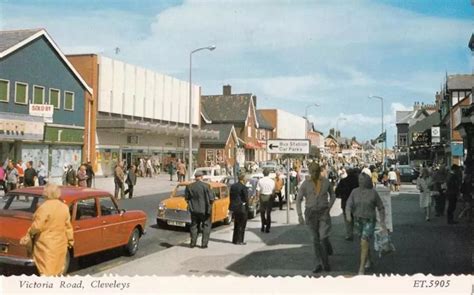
211	173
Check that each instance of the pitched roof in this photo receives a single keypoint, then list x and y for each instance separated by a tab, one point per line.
460	82
400	116
10	41
226	108
224	132
262	123
425	123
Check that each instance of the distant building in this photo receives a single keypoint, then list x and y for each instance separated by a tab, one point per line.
138	113
42	100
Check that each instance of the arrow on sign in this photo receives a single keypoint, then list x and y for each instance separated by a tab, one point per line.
271	146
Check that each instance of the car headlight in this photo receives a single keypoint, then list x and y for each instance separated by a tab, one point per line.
161	207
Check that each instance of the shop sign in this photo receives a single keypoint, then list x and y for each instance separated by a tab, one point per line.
22	130
457	149
42	110
435	134
421	138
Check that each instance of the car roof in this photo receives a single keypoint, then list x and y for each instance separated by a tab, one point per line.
212	184
68	193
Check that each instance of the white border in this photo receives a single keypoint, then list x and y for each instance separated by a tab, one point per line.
26	93
8	90
59	98
33	93
41	33
73	99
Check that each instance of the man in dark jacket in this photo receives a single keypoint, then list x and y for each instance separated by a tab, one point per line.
131	181
343	191
453	186
199	198
90	173
239	199
70	176
30	175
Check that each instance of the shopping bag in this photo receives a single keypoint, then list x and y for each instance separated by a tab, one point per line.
383	244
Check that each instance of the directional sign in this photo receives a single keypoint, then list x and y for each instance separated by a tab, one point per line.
288	146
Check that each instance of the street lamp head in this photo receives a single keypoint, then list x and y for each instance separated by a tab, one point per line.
212	47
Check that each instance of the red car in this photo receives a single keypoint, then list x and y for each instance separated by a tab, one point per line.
97	221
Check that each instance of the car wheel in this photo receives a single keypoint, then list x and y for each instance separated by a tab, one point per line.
132	246
228	219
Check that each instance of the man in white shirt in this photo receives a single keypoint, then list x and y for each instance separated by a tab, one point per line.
392	178
265	188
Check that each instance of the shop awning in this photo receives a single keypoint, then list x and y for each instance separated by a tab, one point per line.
133	126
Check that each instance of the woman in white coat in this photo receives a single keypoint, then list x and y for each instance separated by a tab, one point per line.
424	184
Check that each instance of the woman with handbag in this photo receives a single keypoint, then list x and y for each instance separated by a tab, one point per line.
423	184
361	204
50	233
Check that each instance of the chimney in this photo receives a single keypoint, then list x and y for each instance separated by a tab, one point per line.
227	90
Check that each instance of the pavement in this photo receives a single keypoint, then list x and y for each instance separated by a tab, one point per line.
422	247
145	186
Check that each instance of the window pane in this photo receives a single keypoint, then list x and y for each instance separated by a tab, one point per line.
54	98
38	95
69	101
20	93
107	206
4	90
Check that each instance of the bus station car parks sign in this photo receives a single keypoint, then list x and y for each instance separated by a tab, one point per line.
288	146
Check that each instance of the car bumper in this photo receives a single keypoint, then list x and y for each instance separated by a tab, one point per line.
17	261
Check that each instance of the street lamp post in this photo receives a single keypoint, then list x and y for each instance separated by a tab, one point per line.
190	155
307	107
385	140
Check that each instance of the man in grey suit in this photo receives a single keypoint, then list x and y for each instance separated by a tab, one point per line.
199	198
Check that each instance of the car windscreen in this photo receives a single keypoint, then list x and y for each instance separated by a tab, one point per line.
204	172
180	191
22	202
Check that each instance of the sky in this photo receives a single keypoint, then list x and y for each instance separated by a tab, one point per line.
290	54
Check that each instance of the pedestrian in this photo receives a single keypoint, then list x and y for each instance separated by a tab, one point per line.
279	185
424	185
42	173
181	170
265	190
21	173
11	177
399	180
374	175
171	169
82	176
361	204
319	199
51	233
2	179
90	173
392	178
149	168
118	181
70	176
453	186
343	191
239	200
439	186
30	175
199	198
131	181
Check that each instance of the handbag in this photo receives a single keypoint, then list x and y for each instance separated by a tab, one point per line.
27	242
383	243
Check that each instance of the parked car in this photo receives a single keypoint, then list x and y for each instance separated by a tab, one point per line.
211	173
174	210
254	203
408	174
98	223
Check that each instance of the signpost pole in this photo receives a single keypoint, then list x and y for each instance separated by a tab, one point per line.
288	191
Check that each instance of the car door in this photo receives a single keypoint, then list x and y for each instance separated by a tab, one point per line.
216	204
115	230
87	228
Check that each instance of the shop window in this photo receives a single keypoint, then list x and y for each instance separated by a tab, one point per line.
38	94
21	93
4	90
69	101
54	98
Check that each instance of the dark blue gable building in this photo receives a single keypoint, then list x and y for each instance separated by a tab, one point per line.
42	101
